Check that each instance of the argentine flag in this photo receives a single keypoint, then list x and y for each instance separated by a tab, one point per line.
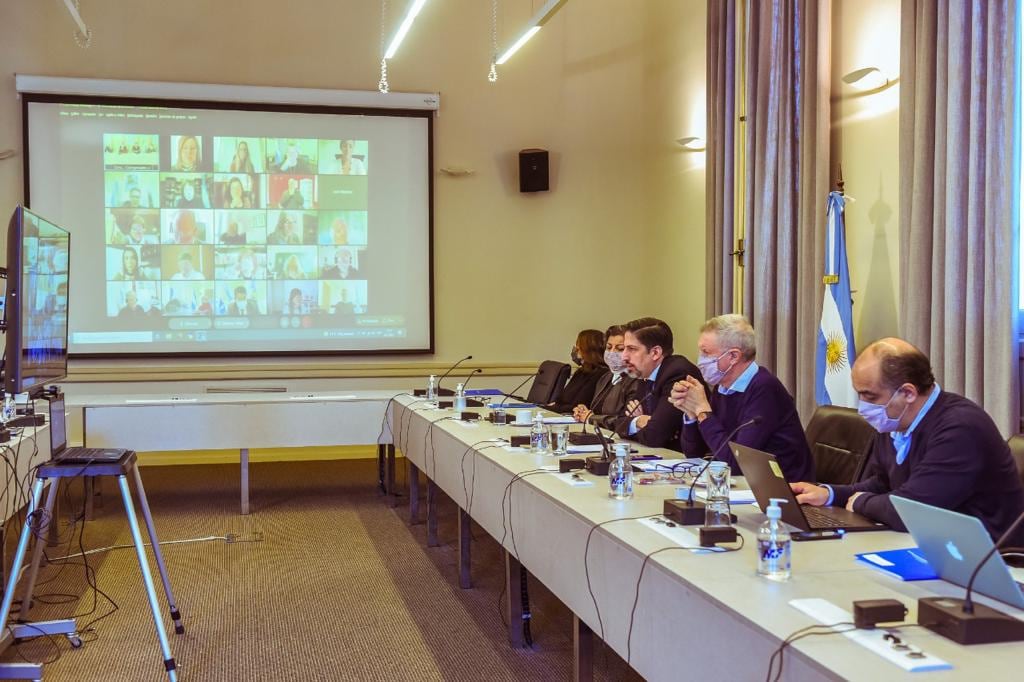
836	350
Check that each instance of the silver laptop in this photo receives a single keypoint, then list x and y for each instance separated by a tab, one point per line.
954	543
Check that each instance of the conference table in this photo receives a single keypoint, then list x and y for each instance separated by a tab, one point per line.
697	615
239	420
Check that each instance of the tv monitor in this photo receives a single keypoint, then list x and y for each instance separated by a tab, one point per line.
36	310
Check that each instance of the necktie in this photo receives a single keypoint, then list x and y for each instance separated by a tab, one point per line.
648	396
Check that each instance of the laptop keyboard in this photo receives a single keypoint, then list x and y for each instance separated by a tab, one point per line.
820	518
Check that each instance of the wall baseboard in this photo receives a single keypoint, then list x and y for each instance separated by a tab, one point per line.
171	458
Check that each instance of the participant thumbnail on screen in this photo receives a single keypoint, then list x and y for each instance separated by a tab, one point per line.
342	227
292	191
133	301
131	189
131	151
241	298
186	190
133	226
237	228
187	226
291	227
241	262
344	157
186	154
292	262
291	156
238	155
129	263
238	191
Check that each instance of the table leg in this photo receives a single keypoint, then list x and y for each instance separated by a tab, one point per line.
432	514
381	483
514	600
243	461
391	475
90	494
582	650
413	474
465	541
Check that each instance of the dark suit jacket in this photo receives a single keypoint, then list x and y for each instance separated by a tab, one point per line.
609	403
662	431
579	390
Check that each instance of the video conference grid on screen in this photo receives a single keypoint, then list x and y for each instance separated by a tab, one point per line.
234	227
222	230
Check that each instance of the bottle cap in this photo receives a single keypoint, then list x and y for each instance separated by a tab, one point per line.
774	511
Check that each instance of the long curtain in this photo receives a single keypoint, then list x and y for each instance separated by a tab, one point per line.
785	184
957	229
721	155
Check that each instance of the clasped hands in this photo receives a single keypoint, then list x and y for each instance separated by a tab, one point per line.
689	397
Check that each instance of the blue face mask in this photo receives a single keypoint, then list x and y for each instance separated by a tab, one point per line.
877	415
709	369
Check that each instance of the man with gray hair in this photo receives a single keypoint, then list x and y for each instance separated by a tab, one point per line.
745	398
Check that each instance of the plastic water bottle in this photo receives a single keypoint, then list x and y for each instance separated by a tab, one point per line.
538	436
620	474
459	404
432	387
773	544
10	410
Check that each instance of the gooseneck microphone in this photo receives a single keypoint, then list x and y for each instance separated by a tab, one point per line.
724	443
450	370
469	376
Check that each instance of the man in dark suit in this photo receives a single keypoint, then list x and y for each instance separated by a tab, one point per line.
651	420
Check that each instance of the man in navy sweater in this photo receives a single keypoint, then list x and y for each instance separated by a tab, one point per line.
933	446
748	404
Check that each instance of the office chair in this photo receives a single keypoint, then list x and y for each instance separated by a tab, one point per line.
547	387
1016	444
840	442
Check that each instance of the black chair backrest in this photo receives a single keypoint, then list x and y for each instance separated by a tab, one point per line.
840	442
551	378
1016	444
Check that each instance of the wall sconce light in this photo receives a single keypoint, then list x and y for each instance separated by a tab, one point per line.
866	79
692	144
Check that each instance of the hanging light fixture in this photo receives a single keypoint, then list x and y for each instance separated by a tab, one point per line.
382	84
492	75
83	36
403	28
538	20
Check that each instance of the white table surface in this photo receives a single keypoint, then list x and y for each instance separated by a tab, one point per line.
702	615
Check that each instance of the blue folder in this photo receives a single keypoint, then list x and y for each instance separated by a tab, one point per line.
905	564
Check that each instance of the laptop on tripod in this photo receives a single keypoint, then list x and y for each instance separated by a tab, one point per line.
765	478
60	453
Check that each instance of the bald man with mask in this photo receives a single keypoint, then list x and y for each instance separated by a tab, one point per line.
932	446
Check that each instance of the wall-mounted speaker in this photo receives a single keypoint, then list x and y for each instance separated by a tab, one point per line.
533	170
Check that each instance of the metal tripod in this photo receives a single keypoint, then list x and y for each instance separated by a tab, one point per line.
55	470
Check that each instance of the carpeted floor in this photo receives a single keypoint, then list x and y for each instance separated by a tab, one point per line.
322	582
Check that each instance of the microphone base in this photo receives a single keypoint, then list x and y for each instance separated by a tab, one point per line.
422	392
598	465
580	438
945	616
686	514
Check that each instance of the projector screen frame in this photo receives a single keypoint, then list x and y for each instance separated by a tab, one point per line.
29	97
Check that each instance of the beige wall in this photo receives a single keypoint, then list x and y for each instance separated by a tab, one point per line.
606	90
865	140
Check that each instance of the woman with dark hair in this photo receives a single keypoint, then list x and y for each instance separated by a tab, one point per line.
614	389
588	356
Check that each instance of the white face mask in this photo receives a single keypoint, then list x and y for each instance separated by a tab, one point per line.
613	359
189	191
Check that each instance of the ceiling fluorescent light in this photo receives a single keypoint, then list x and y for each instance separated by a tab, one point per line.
404	27
539	19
